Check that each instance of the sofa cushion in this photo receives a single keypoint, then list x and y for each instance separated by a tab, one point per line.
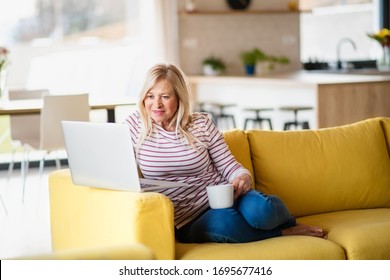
237	140
280	248
325	170
363	234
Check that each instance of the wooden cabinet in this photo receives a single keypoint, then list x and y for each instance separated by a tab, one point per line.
336	99
340	104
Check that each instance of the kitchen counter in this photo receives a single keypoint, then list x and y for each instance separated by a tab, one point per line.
336	99
301	77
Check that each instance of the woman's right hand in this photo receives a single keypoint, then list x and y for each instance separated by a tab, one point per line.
242	184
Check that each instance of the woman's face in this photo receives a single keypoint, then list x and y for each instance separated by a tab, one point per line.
161	103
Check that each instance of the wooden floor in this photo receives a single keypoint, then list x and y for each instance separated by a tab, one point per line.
24	226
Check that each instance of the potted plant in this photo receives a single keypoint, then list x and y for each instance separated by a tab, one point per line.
251	58
213	66
383	38
268	63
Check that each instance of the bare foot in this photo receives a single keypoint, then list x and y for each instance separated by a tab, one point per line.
304	230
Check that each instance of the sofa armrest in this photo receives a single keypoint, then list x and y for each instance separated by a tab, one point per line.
83	217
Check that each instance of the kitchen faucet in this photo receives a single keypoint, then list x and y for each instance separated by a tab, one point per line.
339	44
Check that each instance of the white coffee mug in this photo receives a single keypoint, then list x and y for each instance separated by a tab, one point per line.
220	196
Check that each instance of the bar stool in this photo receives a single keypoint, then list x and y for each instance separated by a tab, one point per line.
295	122
200	107
258	120
220	117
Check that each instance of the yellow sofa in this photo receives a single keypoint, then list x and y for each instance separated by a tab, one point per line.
337	178
121	252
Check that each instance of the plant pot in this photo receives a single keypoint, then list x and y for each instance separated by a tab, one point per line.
250	70
210	71
383	63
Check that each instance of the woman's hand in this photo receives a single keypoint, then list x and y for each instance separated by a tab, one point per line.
241	184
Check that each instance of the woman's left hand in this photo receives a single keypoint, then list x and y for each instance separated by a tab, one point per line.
241	185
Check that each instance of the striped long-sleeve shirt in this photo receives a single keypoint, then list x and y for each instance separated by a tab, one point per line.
168	156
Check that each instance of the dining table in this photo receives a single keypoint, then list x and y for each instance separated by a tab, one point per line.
34	106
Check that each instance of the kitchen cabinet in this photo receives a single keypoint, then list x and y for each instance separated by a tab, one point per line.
337	99
345	103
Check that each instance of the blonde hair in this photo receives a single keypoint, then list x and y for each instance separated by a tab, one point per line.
180	85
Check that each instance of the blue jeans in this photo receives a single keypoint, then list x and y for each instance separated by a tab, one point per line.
254	216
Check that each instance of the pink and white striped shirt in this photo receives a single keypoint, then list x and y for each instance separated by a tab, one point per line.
168	156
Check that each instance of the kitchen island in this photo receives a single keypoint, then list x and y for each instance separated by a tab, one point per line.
336	99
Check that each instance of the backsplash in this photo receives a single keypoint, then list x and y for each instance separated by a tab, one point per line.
218	5
226	35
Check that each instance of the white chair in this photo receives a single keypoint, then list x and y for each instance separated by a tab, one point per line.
24	129
55	109
23	94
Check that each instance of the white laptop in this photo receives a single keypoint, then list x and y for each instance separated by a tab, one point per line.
101	155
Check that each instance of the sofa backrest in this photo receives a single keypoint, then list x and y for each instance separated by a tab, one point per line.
325	170
237	140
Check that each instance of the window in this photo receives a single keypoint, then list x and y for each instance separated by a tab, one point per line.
65	19
332	20
72	46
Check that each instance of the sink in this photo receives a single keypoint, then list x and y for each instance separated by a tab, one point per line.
315	65
360	71
363	67
361	64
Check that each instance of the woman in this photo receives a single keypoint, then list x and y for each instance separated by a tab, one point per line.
172	143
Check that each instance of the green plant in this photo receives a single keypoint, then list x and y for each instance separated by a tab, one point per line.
216	64
276	60
251	57
256	55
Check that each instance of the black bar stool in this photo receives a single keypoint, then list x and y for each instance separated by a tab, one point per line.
295	122
258	120
220	117
200	107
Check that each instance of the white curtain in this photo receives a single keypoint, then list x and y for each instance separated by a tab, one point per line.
158	40
158	28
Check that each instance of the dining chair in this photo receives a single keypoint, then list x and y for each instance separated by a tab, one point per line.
23	94
73	107
24	129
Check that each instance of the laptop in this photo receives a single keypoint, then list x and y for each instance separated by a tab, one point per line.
101	155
